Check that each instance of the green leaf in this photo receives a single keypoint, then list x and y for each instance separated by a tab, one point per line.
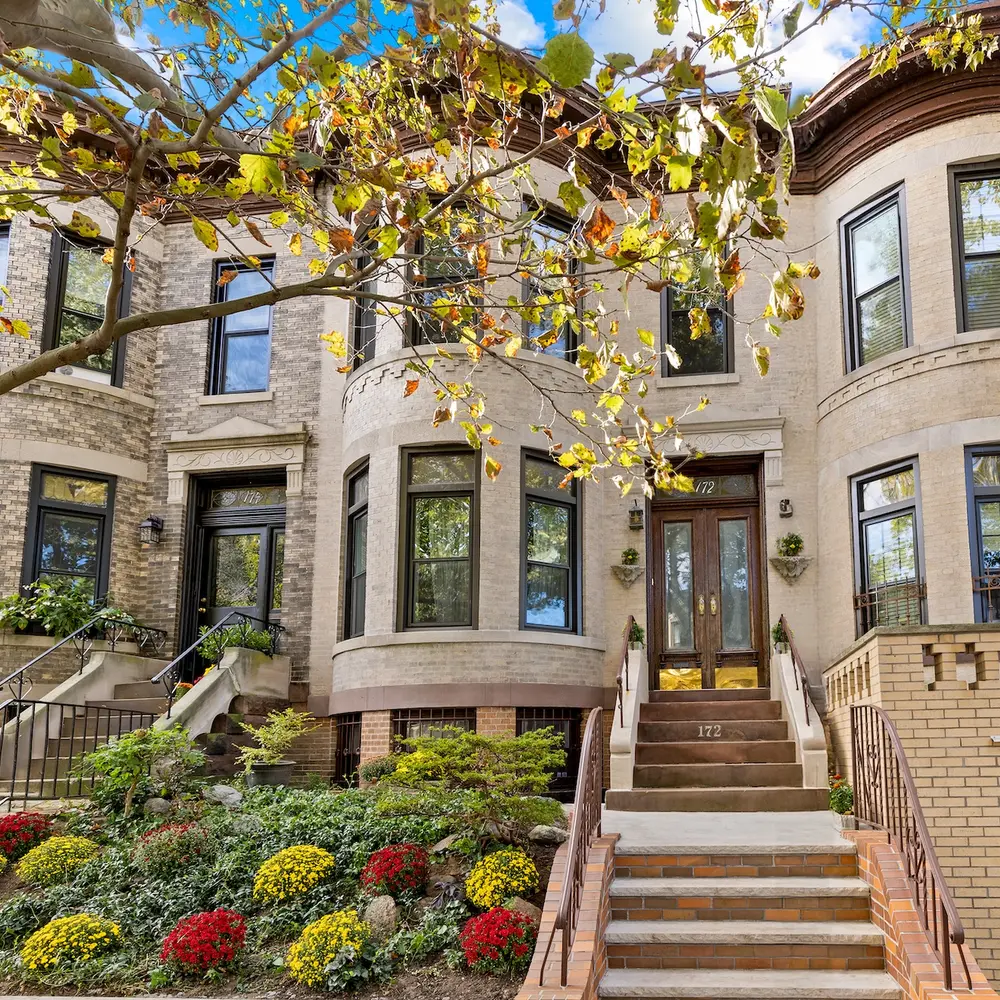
146	101
81	76
572	198
308	160
262	172
620	61
646	336
564	9
791	20
568	59
772	106
205	232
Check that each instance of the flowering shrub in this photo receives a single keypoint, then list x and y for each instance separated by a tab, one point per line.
20	832
78	938
291	872
337	940
171	847
55	860
841	795
204	941
3	863
499	941
499	876
398	870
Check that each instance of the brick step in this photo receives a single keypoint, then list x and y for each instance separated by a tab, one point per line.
709	711
716	694
784	899
736	731
725	984
763	863
150	705
717	775
707	751
719	800
141	689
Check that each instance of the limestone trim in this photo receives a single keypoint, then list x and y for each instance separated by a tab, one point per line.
70	457
237	443
232	398
79	382
438	636
682	381
724	430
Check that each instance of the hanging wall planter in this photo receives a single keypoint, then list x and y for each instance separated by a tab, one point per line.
627	575
790	567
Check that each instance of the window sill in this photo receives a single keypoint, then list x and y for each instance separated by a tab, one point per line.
225	398
88	381
446	635
677	381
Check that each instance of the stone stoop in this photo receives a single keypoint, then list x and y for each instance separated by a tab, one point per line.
740	918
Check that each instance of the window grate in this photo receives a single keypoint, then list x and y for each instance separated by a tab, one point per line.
568	722
348	749
409	723
893	604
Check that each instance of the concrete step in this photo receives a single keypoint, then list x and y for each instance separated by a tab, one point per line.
742	730
719	799
708	751
717	694
743	932
709	711
717	775
150	705
726	984
744	888
141	689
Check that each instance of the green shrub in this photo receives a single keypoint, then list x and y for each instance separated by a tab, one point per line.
437	931
167	849
275	738
841	795
243	635
372	771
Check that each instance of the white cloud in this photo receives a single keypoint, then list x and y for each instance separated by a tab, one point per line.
518	26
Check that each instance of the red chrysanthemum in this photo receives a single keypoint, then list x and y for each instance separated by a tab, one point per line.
204	941
499	941
397	870
21	831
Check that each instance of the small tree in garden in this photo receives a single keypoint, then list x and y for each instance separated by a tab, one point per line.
275	738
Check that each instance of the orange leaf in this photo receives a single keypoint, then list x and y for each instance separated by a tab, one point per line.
599	229
482	259
226	277
341	240
411	387
254	231
654	208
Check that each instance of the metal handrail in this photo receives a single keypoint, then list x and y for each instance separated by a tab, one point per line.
170	674
885	797
584	830
623	669
800	669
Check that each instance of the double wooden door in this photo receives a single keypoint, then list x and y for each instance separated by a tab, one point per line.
706	593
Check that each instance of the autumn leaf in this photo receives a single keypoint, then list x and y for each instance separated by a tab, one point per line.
411	387
205	232
226	277
341	240
598	230
493	468
254	230
482	259
84	225
335	343
295	244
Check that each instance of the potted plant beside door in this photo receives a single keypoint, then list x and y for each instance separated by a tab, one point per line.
265	763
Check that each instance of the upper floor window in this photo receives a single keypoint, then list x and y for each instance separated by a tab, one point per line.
364	319
978	219
68	541
887	548
357	553
876	308
982	467
550	329
79	280
440	540
551	547
4	256
710	351
241	343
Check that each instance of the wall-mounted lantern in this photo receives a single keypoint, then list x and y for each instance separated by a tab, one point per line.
150	530
785	508
635	516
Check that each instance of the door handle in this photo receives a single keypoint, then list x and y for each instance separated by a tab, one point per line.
202	605
713	605
701	604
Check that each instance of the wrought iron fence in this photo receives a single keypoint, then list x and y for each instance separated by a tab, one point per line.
891	604
885	797
988	590
584	830
801	678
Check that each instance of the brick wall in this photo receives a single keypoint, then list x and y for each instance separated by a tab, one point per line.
376	735
942	691
314	752
496	721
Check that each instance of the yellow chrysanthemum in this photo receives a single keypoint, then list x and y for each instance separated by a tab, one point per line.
78	938
321	942
499	876
55	860
292	872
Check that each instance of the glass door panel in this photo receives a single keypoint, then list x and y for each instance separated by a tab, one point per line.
678	607
234	570
735	607
989	558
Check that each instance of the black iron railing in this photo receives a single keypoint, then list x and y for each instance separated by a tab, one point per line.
885	797
584	830
987	588
43	741
622	679
801	678
890	604
170	675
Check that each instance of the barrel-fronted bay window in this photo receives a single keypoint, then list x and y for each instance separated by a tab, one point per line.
356	563
977	221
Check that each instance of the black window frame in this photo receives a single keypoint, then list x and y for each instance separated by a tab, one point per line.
849	304
355	512
554	219
406	564
364	319
568	721
571	501
956	175
667	370
218	336
860	517
38	506
6	233
985	580
403	717
55	296
347	761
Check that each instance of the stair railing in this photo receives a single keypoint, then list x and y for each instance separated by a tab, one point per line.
801	678
885	797
170	675
622	679
584	830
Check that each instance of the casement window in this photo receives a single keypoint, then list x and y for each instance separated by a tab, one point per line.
550	554
4	257
875	280
550	330
982	470
79	280
710	353
977	216
357	553
440	543
364	320
241	343
887	548
410	723
68	538
568	723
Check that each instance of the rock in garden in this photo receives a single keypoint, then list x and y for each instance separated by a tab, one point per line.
380	915
156	807
223	795
519	905
444	845
548	835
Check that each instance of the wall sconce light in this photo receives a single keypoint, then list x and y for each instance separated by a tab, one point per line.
635	516
785	508
150	529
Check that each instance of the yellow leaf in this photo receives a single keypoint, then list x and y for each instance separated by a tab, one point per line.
493	468
84	225
69	123
21	328
335	343
295	244
205	232
579	416
512	347
646	336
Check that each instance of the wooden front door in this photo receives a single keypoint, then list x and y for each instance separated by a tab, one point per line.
707	587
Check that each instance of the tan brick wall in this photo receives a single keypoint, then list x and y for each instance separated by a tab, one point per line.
946	710
496	721
314	752
376	735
